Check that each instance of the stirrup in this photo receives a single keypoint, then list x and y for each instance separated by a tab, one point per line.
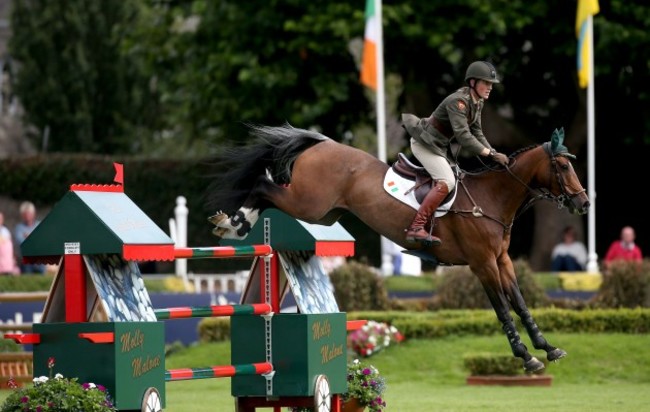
428	240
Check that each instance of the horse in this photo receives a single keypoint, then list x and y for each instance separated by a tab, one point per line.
316	179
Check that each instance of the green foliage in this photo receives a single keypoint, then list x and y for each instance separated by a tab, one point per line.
625	284
358	287
218	64
173	347
424	283
59	394
8	345
38	283
72	77
419	325
173	77
214	329
460	289
492	364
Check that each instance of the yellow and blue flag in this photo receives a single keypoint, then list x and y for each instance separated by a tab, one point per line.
586	8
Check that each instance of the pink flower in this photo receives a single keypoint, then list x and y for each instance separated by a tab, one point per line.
11	383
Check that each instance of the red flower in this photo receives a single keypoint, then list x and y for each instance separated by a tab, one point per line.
50	362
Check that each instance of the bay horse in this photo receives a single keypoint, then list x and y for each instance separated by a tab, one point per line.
316	179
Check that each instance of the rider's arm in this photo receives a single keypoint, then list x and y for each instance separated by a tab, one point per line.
457	109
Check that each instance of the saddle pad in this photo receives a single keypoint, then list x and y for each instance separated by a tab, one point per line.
396	186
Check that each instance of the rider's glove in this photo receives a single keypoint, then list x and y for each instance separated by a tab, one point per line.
500	158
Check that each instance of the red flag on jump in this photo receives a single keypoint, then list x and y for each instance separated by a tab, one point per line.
119	173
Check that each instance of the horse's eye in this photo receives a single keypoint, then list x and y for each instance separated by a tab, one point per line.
565	167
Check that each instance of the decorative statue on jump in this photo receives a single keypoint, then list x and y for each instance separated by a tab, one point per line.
315	179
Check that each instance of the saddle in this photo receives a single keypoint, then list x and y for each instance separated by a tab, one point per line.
418	174
423	180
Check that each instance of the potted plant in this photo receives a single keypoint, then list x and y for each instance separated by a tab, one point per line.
57	394
365	390
504	370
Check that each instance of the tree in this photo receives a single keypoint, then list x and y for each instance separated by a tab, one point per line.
72	79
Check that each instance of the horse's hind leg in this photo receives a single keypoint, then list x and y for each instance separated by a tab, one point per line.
239	224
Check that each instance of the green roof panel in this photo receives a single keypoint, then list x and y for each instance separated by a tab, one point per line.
102	222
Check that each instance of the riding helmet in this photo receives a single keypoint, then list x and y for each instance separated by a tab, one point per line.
482	70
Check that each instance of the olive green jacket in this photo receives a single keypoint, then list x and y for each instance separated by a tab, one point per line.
457	113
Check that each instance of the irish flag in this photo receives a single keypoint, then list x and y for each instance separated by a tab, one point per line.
371	37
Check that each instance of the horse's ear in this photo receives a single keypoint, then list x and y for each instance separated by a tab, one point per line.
557	139
557	143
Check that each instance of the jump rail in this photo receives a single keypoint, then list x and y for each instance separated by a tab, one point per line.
213	311
218	371
222	251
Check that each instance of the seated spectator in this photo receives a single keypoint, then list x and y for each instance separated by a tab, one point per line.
624	248
7	261
28	222
570	255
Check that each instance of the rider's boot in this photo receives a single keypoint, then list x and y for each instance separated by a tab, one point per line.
416	230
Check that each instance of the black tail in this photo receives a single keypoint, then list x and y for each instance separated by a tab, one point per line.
237	168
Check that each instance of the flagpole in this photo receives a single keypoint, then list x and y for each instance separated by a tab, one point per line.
592	263
381	93
387	264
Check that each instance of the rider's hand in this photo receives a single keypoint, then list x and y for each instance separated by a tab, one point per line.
500	158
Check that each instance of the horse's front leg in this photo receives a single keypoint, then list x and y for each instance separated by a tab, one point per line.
491	283
511	288
539	342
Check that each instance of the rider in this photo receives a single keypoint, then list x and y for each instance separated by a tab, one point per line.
457	117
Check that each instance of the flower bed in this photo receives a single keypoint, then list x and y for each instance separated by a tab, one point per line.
373	337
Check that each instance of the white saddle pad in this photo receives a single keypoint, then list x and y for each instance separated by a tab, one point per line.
397	186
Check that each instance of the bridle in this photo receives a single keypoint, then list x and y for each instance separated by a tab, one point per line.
560	200
536	193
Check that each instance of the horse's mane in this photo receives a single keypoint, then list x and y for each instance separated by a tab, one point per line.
487	168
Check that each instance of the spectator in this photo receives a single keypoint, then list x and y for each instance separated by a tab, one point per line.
570	255
7	261
624	248
27	223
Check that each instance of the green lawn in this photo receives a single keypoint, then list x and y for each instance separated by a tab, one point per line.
603	372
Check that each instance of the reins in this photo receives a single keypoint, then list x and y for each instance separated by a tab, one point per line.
538	194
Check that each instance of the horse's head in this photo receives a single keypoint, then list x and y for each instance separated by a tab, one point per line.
563	186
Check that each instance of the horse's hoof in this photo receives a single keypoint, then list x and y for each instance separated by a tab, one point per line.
533	365
219	232
555	354
218	218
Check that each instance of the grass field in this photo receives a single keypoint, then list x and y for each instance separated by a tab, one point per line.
603	372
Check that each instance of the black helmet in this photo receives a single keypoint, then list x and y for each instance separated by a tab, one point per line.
482	70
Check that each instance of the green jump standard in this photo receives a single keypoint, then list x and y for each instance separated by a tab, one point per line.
304	346
129	364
